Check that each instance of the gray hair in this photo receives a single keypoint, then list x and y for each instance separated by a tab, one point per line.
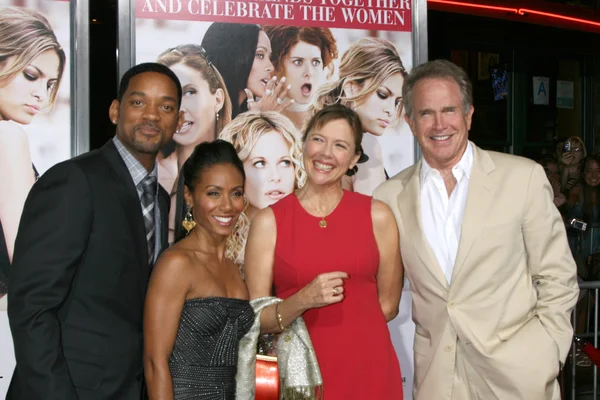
437	69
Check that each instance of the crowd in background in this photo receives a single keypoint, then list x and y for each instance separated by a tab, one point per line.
575	178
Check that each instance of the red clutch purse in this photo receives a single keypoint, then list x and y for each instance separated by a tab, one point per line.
267	378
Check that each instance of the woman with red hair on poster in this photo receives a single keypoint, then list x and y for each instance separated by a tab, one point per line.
31	69
304	55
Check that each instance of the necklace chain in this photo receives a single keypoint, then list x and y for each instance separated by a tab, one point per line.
322	221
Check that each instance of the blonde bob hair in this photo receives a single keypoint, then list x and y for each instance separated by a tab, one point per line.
243	132
370	59
24	35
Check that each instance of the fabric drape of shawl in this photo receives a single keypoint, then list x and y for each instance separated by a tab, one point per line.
299	373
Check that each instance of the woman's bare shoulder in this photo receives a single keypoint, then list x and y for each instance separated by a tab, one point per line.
175	260
12	134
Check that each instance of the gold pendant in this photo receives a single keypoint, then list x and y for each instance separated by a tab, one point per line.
323	223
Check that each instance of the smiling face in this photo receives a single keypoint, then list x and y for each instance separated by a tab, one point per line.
270	173
329	152
217	199
303	69
148	114
29	92
591	173
262	68
439	121
380	109
199	107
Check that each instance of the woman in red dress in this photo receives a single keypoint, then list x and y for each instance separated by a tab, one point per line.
334	257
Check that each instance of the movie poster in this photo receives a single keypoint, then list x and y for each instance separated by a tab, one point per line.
324	49
35	121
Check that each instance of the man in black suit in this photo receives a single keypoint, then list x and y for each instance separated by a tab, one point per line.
91	230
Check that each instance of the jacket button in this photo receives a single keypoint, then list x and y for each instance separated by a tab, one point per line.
139	376
448	348
451	305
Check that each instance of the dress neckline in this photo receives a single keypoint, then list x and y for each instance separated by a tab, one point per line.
208	298
326	216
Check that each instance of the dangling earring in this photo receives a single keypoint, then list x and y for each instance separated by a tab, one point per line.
217	115
188	222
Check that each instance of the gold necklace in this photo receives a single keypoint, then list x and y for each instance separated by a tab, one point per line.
322	222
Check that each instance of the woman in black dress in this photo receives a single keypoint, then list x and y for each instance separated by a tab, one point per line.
197	305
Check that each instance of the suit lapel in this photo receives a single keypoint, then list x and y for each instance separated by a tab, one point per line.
479	197
409	204
163	206
122	185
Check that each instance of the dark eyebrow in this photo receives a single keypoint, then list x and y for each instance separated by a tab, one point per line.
449	108
220	188
142	94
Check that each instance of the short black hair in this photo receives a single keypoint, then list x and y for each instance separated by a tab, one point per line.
148	67
205	155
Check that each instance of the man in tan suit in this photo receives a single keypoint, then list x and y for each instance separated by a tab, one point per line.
492	278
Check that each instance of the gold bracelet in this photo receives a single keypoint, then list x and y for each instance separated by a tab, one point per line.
279	320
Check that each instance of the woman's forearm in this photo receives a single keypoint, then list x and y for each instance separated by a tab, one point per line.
289	309
158	380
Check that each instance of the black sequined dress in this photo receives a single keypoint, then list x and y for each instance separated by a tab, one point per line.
204	359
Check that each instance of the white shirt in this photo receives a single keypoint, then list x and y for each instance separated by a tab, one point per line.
442	216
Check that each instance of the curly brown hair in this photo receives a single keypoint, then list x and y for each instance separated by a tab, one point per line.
284	38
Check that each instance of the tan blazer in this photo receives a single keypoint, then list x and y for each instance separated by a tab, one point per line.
502	326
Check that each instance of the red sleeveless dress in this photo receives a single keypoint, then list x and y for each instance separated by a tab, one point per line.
351	338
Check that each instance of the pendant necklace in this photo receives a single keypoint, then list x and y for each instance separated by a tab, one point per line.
323	222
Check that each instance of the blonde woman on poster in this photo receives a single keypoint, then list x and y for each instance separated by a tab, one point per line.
371	75
31	68
304	55
207	110
242	54
333	257
270	148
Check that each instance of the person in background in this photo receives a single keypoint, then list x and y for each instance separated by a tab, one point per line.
31	69
197	306
91	230
242	54
270	148
305	56
552	170
334	259
206	108
571	156
370	79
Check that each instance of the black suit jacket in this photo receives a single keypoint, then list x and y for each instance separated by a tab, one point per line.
78	281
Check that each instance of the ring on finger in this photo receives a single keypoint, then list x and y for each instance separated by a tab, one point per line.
336	291
250	100
268	92
279	101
